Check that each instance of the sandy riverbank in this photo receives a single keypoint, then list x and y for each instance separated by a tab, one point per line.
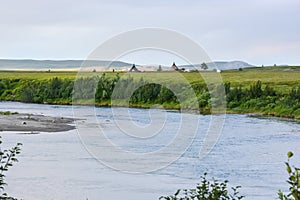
35	123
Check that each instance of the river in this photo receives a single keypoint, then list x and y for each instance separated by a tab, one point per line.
250	152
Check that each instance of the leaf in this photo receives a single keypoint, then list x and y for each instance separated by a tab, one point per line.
290	154
178	191
288	168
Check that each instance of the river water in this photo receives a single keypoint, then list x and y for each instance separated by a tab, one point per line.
250	152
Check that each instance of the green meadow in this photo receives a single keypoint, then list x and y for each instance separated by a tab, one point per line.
281	78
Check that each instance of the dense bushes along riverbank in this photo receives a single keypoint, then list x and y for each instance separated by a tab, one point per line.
256	98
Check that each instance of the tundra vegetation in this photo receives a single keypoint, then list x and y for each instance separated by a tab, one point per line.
269	90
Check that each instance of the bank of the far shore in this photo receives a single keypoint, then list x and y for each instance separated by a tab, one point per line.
203	111
176	107
29	123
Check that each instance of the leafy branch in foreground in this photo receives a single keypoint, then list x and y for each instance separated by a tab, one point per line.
293	181
207	190
7	158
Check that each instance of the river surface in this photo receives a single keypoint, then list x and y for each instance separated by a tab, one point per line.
250	152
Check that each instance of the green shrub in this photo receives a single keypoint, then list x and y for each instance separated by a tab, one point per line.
207	190
293	181
7	158
7	113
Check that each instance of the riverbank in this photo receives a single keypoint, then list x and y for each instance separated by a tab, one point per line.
148	106
273	93
31	124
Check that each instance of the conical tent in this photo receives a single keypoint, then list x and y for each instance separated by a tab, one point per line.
134	69
174	67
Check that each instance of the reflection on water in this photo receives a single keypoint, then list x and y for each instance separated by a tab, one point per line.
251	152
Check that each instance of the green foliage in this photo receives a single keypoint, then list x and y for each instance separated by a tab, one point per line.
105	87
293	181
265	100
147	93
142	91
269	91
2	87
6	113
7	158
27	93
255	90
206	190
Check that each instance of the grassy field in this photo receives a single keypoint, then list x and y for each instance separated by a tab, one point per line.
281	78
36	75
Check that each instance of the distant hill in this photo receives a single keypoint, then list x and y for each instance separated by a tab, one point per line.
6	64
222	65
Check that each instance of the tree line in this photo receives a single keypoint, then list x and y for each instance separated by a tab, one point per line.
141	93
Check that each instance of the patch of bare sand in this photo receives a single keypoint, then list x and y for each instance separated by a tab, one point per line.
35	123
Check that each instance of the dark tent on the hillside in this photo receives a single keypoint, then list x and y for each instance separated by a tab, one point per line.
134	69
174	67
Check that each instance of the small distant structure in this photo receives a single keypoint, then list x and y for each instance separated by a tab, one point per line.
134	69
159	68
204	66
219	71
174	67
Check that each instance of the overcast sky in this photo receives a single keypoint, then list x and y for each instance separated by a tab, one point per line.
256	31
